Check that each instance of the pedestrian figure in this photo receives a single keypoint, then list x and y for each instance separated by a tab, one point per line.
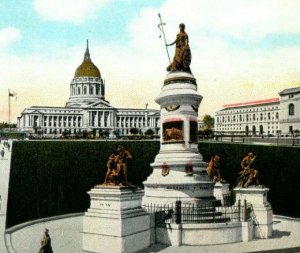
2	153
46	243
8	146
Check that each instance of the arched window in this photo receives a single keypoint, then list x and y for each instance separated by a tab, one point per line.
97	89
247	130
78	90
253	130
240	117
91	90
253	116
84	90
277	115
291	109
269	115
102	90
261	130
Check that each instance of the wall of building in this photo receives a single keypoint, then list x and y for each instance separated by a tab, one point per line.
255	120
290	112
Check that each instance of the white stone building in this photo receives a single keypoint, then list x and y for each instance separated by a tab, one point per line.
87	110
290	110
262	117
249	118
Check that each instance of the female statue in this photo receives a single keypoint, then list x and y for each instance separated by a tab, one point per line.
183	56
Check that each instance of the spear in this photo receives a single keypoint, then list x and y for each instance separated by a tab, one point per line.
161	28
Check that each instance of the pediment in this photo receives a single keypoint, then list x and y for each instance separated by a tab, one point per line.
101	104
35	112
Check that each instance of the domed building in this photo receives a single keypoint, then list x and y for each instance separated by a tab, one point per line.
86	110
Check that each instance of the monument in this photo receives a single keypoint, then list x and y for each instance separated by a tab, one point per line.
115	207
248	188
183	195
179	172
189	200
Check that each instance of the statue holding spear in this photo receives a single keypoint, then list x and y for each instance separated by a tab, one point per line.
182	58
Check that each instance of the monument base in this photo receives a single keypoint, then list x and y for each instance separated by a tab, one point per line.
222	193
115	221
262	210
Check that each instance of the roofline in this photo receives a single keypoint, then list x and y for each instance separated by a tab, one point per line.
252	103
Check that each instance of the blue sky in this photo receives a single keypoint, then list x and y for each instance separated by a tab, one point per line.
241	50
109	27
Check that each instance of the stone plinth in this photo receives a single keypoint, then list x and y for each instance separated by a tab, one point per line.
115	221
222	193
179	172
262	210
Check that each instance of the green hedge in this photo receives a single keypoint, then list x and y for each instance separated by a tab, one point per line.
52	177
279	170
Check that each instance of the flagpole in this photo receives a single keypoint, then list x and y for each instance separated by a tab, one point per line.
8	108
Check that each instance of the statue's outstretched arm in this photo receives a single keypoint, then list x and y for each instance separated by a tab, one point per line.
171	44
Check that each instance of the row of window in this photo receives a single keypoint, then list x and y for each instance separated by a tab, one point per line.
85	91
248	110
248	117
61	121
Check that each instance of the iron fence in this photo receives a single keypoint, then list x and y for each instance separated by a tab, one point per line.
179	213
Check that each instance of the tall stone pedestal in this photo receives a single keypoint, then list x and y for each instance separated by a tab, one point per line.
179	172
115	221
222	193
262	210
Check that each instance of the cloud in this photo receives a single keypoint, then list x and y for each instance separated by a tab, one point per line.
134	72
8	36
223	68
68	10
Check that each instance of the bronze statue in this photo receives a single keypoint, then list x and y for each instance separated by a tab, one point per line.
116	174
248	175
213	169
173	134
124	156
112	173
183	56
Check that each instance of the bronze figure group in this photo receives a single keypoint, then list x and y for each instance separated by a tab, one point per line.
213	169
116	174
248	175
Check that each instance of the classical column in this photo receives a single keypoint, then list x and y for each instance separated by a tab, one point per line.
102	118
108	119
96	119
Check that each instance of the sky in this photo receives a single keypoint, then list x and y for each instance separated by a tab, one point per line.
241	50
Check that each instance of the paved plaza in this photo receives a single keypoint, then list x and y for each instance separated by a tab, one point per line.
66	237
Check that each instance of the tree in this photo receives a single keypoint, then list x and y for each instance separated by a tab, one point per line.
208	121
149	132
134	130
7	125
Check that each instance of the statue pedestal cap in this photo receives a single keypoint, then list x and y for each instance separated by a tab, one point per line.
262	210
115	221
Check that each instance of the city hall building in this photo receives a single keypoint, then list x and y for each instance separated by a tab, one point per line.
262	117
87	110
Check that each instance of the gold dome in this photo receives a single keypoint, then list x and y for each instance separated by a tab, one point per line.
87	67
